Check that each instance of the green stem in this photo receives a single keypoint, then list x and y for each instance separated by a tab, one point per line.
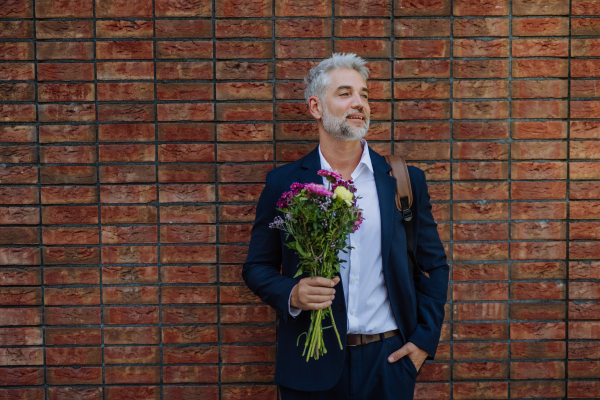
335	329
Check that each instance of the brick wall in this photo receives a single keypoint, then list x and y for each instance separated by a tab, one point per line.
136	135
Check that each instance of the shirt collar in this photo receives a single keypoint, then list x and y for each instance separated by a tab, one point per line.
364	159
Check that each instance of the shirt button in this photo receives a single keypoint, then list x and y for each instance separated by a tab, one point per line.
353	280
352	312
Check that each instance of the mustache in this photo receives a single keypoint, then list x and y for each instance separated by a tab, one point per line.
356	112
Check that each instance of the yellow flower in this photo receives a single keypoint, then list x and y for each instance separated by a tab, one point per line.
343	194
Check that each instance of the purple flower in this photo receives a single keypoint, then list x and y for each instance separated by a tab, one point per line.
297	188
284	200
358	221
317	189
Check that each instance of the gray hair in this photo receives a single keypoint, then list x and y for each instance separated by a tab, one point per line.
318	80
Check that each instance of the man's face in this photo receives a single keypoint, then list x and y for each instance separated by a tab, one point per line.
346	112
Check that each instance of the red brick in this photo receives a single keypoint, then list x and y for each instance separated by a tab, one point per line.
530	311
481	48
480	370
20	316
17	92
541	7
422	8
537	330
16	71
73	336
537	370
480	7
474	351
478	390
421	28
67	112
72	316
132	354
585	26
73	356
480	110
585	7
21	336
122	275
189	315
191	355
125	70
552	26
584	170
476	272
349	28
64	9
185	112
555	389
131	335
131	315
174	8
189	334
123	9
538	190
184	49
480	27
65	51
243	29
191	374
539	130
244	91
472	69
64	29
540	47
480	89
546	210
132	374
421	48
535	89
124	29
243	70
137	392
247	373
202	392
535	68
21	376
114	91
291	49
310	8
21	356
189	294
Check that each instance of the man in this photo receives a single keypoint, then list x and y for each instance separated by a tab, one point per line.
388	316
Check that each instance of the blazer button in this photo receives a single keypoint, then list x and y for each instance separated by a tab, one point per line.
341	307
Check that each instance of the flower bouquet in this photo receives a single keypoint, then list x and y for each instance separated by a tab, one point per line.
319	219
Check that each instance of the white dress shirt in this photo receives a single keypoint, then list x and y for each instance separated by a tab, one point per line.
367	303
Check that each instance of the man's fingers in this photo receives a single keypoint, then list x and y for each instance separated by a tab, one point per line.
319	306
398	354
320	281
318	299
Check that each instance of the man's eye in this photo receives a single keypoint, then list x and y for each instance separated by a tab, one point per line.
365	96
343	94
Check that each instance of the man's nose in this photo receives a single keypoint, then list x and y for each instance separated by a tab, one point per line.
357	102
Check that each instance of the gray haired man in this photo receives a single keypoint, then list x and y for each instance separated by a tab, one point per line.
389	315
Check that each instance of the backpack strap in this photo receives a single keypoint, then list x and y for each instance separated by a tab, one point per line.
404	200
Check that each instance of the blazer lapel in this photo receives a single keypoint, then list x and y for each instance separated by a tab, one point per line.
311	165
386	192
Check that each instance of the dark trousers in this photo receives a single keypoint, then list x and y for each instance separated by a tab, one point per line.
367	375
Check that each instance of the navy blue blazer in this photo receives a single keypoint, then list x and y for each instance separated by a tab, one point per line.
417	301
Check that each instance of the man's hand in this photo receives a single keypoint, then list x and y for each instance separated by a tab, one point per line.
314	293
415	353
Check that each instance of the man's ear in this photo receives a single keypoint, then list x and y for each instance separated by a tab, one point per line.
315	107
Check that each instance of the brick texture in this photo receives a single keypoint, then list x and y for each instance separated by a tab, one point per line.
135	137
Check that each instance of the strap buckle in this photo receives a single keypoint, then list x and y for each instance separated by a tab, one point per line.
407	214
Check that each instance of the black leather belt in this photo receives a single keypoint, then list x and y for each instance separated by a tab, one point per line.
360	339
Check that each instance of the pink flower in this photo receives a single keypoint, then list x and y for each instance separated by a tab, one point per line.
317	189
358	221
332	176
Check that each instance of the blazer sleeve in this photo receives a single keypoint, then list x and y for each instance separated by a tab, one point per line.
261	269
431	292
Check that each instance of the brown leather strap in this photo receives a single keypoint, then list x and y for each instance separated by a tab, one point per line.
400	172
360	339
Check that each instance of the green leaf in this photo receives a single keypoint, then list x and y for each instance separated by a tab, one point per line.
298	273
301	250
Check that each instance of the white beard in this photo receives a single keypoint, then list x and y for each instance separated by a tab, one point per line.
338	126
